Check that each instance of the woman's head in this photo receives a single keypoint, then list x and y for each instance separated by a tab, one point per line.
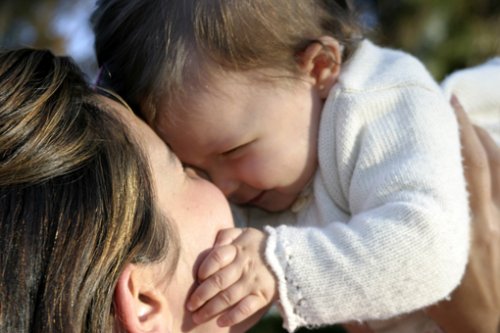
153	49
77	205
101	228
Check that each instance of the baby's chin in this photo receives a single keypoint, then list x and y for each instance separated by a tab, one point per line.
274	202
280	202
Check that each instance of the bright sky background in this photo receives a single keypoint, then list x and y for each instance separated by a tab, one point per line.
75	26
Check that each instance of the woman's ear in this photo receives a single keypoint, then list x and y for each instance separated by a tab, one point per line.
139	302
321	61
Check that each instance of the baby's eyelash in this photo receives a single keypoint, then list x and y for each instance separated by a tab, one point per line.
230	151
237	148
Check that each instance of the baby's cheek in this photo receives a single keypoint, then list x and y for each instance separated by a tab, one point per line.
257	173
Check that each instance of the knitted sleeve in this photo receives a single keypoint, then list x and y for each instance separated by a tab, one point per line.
391	162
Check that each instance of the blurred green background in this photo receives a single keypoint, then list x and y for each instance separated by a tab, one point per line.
445	34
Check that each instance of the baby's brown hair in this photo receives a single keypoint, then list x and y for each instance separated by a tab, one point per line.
159	48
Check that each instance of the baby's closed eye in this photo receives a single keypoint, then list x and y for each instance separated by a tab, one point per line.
237	150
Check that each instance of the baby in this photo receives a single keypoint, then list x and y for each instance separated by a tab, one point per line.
343	155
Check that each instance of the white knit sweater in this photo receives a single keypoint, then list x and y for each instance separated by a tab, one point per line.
386	228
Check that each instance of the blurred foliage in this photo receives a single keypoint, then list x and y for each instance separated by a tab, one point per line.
58	25
28	22
273	324
444	34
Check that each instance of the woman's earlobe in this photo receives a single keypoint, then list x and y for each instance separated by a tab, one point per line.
139	305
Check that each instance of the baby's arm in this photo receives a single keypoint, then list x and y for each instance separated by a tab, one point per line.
402	243
235	280
475	305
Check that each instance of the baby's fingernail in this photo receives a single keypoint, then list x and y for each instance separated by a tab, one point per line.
190	306
222	321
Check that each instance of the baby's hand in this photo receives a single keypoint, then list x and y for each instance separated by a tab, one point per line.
235	280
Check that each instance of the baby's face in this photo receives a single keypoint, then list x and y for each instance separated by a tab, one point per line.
256	140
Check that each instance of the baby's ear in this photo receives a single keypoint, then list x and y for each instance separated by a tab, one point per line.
140	305
321	61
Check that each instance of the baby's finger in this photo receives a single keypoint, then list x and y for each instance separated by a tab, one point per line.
218	258
243	310
213	285
227	236
221	302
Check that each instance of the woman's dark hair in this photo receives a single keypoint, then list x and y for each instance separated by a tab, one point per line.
154	49
75	196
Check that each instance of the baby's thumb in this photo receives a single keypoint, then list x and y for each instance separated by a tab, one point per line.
227	236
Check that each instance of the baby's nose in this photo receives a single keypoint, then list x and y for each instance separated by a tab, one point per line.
195	172
227	185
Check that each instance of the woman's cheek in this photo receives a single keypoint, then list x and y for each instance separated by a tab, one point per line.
213	210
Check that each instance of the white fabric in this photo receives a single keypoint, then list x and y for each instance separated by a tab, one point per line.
478	89
386	231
